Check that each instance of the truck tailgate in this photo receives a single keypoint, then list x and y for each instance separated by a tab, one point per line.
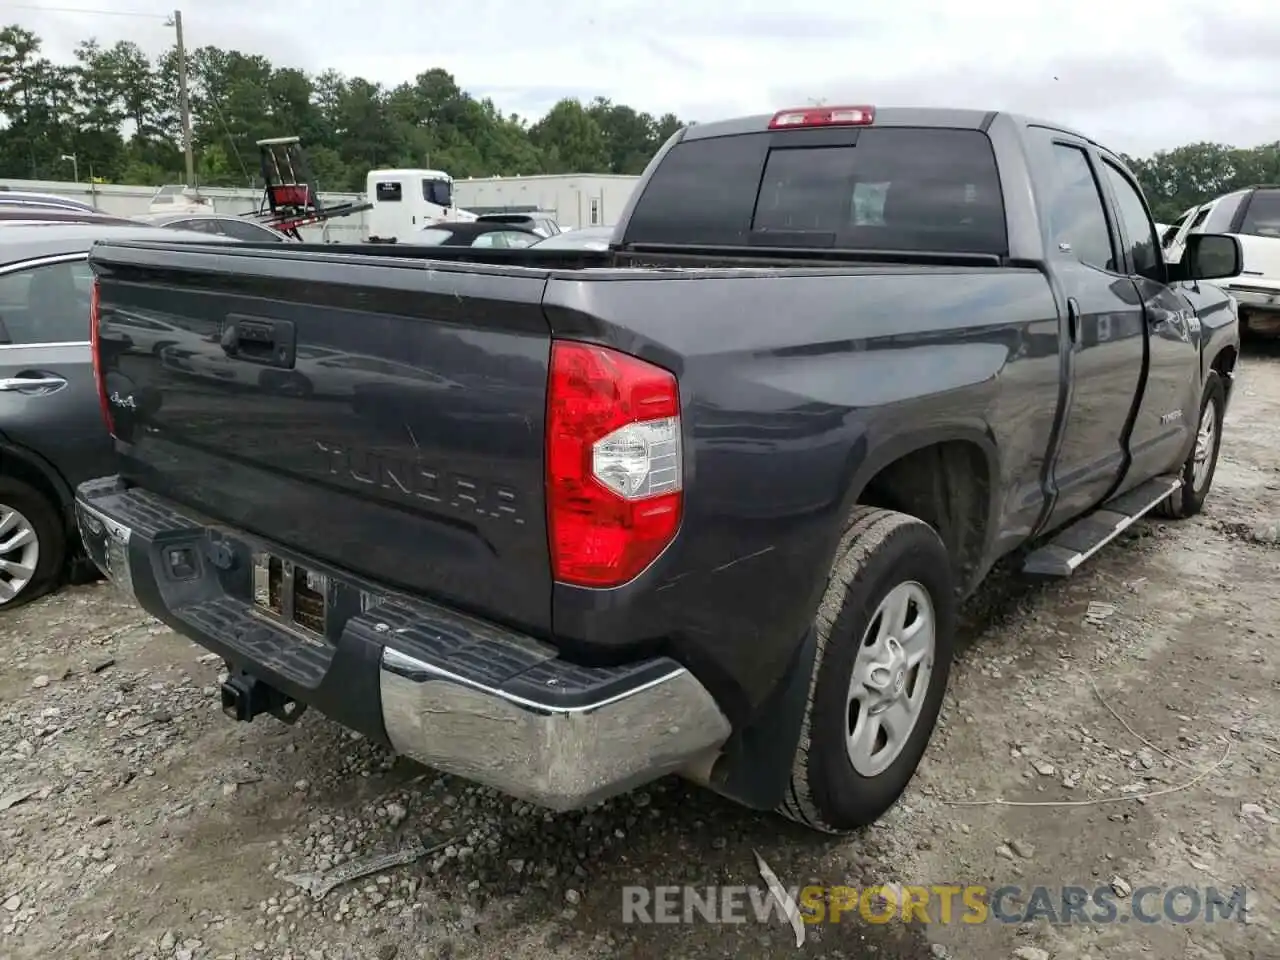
384	416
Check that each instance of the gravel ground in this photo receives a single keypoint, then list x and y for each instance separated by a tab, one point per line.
135	821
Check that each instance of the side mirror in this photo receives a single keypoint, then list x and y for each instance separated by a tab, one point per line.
1209	256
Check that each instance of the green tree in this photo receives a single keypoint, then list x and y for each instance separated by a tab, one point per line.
630	137
571	140
98	111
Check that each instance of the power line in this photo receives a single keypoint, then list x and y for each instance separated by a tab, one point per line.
101	13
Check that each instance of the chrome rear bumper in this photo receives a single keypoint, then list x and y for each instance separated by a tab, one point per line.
558	757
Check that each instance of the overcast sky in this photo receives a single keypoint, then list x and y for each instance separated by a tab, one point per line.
1137	76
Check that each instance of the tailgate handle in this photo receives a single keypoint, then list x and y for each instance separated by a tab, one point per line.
273	343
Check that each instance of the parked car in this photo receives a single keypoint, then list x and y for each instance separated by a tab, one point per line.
51	432
481	234
729	490
14	198
237	228
585	238
1252	215
33	213
542	225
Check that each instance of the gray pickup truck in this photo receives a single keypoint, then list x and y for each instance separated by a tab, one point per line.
563	522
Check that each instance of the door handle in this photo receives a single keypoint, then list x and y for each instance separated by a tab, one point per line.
1073	321
31	383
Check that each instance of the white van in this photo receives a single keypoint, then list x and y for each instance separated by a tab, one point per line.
405	201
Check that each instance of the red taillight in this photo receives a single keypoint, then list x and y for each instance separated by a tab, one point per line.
614	464
823	117
95	346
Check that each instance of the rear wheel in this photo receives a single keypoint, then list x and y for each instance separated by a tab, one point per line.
884	629
1202	462
33	544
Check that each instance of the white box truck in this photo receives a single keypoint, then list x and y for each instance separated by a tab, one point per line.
405	201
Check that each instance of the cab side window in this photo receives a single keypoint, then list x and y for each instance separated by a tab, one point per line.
249	232
1139	231
199	225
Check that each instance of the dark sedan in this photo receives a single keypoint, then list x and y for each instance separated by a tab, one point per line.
27	214
16	198
220	225
586	238
51	429
476	233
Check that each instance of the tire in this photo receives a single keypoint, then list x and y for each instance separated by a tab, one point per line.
1188	499
881	553
286	384
41	518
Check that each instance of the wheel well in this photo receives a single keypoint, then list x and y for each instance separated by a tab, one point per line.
947	485
1223	364
1225	361
25	472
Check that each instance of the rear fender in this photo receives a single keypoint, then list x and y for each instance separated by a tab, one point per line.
972	431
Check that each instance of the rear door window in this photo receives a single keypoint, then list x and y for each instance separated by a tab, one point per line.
1077	220
1222	214
248	232
504	239
876	189
48	303
198	225
1262	215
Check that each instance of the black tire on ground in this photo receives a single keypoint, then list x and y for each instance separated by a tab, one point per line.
1188	500
880	550
51	533
290	384
82	570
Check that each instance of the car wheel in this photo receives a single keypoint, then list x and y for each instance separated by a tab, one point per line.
33	544
297	386
1202	462
285	384
885	629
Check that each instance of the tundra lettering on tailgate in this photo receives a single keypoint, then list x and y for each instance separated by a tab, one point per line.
414	480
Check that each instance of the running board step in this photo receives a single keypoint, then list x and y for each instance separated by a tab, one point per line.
1077	543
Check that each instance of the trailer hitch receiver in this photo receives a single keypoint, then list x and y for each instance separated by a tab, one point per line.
245	696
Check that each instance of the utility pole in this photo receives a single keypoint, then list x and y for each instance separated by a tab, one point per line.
185	100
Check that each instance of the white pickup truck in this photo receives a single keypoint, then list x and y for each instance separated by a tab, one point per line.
1253	216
